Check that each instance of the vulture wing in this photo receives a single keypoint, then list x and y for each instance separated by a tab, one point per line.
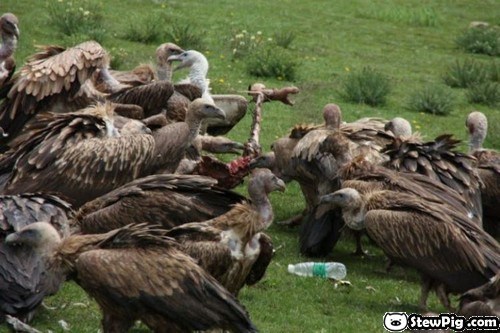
440	161
152	97
163	286
73	154
168	199
425	236
52	71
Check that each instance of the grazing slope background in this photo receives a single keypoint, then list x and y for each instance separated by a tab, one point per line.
411	42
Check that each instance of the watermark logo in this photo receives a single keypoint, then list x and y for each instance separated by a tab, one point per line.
395	321
399	321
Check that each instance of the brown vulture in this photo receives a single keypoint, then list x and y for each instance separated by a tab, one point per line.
82	155
167	199
235	106
9	29
452	254
440	160
316	168
23	279
232	246
49	81
488	167
138	273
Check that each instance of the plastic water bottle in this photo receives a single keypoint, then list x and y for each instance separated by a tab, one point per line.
332	270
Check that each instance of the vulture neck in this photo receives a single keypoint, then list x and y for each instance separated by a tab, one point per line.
262	204
9	44
110	82
476	141
198	75
193	122
164	71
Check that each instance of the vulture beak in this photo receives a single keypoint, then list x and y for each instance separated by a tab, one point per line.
281	185
235	147
12	238
16	31
327	199
215	112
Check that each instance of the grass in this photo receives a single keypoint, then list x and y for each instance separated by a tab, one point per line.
435	99
331	39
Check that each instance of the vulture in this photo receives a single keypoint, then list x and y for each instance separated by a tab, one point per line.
23	279
482	301
424	235
316	167
51	81
138	273
154	91
9	29
82	155
235	106
488	167
232	246
169	199
439	160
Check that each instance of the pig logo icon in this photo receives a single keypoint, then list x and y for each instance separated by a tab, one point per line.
395	321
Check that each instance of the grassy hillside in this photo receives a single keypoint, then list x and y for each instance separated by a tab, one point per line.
411	42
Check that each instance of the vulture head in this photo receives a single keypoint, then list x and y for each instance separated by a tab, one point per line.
477	126
165	50
9	25
164	66
201	109
400	127
190	59
348	199
332	115
40	236
264	181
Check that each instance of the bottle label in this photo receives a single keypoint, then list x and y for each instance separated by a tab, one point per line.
319	269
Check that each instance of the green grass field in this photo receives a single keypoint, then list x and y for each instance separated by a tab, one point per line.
410	41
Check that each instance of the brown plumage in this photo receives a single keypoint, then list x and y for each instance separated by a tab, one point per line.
481	301
488	168
439	160
141	74
229	246
23	282
9	30
168	199
54	75
82	155
365	177
423	235
316	159
137	273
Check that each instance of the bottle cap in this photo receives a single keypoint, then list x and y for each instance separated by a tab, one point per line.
290	268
